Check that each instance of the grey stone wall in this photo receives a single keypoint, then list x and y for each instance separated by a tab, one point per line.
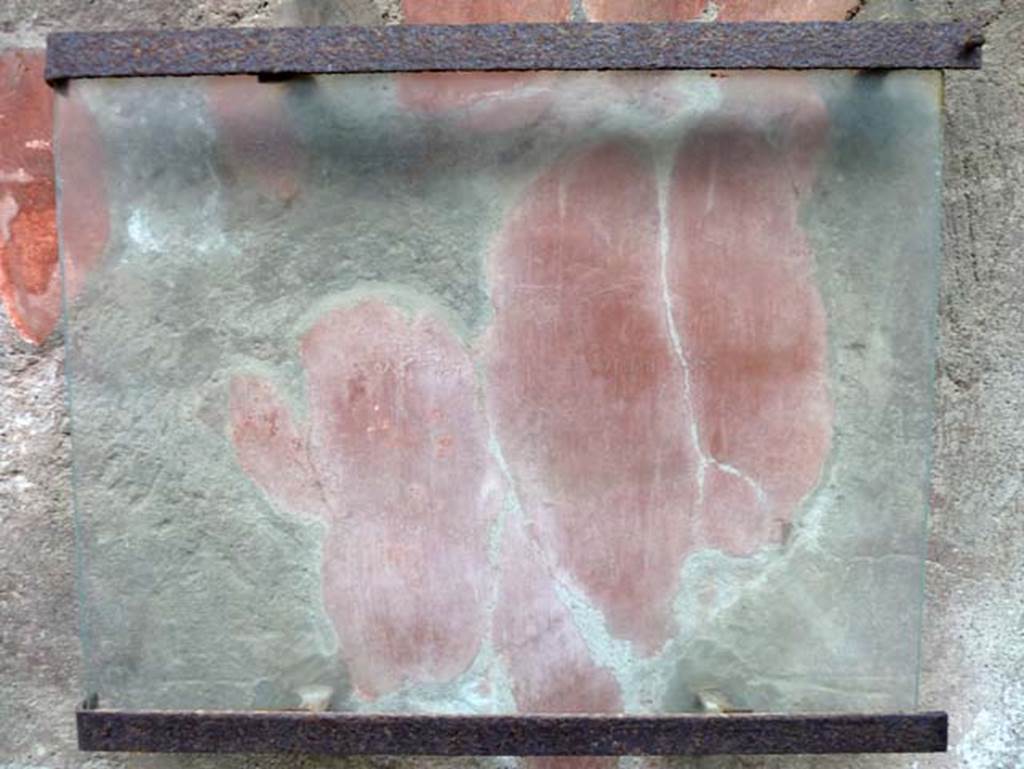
974	622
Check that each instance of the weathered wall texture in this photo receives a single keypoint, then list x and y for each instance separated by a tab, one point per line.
974	624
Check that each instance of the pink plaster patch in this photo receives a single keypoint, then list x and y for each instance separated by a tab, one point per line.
267	442
643	10
585	391
550	665
83	216
478	101
722	10
659	384
484	101
785	10
395	460
29	275
485	11
259	146
748	312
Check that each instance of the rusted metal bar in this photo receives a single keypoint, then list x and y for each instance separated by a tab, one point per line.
418	48
538	735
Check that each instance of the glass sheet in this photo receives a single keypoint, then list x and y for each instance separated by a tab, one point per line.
502	393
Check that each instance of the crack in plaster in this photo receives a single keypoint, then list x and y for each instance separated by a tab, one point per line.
587	618
605	650
663	163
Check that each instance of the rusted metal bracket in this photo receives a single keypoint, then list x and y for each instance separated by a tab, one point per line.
341	734
486	47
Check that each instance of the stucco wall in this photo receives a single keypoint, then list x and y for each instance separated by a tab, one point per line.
974	623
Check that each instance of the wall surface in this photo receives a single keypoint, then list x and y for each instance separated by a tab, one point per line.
974	622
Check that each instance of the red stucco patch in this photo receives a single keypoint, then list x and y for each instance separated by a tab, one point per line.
491	101
28	238
746	305
551	668
479	101
657	366
83	214
584	390
785	10
722	10
643	10
485	11
29	274
394	458
258	145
